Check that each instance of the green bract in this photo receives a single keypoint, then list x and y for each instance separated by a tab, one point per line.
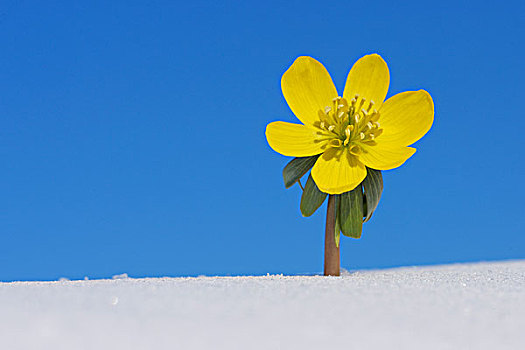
297	168
352	208
312	197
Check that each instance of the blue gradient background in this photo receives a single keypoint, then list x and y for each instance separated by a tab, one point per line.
132	135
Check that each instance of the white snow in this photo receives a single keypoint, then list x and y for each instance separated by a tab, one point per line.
463	306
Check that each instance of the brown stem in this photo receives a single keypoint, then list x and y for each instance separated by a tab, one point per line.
331	251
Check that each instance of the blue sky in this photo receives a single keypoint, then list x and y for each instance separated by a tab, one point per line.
132	135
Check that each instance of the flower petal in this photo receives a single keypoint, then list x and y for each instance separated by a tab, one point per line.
369	78
406	117
337	171
295	140
307	88
385	156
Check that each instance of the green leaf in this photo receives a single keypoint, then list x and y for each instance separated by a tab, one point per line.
373	187
351	212
312	197
337	229
296	169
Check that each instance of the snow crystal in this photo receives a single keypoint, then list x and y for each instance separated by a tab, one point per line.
122	276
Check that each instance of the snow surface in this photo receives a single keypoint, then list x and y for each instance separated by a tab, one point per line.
463	306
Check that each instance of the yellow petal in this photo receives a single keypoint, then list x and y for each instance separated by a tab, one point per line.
307	88
337	171
369	78
385	156
406	117
295	140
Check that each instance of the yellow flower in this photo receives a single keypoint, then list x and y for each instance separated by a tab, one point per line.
352	132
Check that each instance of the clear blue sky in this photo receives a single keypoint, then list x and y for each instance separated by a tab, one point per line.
132	135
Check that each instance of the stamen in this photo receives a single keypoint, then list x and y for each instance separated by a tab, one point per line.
363	100
348	132
355	149
343	104
351	125
336	143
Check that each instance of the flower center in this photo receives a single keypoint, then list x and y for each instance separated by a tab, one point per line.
350	124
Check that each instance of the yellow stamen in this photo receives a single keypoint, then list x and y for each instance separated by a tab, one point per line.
355	149
348	132
363	100
336	143
375	116
350	126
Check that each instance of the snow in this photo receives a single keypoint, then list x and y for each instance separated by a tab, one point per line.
461	306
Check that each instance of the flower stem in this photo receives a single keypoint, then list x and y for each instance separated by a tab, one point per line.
331	250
